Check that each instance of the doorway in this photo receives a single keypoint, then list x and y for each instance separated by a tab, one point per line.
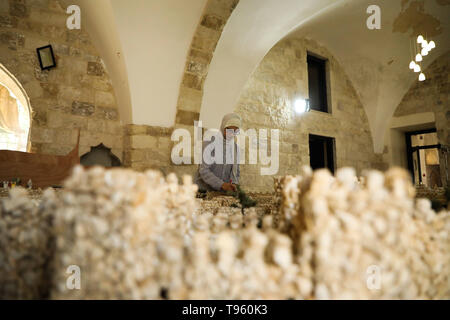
422	149
321	152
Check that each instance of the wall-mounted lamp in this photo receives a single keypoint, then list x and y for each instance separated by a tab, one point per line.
46	57
301	106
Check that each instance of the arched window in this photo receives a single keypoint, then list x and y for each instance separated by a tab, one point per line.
15	113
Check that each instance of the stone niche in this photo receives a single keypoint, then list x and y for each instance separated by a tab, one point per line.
100	155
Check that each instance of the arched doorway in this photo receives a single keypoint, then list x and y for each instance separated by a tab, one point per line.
15	113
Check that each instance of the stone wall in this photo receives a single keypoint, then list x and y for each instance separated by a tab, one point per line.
267	99
76	94
147	147
432	95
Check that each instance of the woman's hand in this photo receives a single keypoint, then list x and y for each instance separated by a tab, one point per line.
228	187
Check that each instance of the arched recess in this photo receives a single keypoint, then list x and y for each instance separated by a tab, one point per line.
16	91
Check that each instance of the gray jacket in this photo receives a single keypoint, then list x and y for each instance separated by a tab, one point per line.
210	177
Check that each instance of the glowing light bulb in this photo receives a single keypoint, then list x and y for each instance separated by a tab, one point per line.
416	68
424	51
424	43
300	106
431	45
421	77
412	64
419	39
418	57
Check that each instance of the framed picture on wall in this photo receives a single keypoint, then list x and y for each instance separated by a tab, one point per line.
46	57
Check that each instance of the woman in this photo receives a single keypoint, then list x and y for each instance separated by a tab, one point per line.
222	176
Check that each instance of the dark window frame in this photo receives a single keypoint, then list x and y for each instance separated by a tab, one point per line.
329	148
323	86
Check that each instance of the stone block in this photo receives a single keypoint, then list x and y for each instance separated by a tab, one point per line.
104	99
193	81
221	8
82	108
136	155
66	137
53	32
165	144
197	68
113	127
95	69
55	119
200	56
45	16
96	125
101	84
107	113
18	8
159	131
204	44
41	75
186	117
50	90
7	21
13	40
72	121
75	52
143	142
134	129
4	7
33	89
60	49
39	118
213	22
70	93
118	142
42	135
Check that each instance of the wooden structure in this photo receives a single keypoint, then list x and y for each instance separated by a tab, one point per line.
43	170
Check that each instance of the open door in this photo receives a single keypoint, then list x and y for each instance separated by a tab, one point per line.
422	149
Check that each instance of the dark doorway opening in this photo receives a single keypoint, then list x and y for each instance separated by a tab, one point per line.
100	155
317	83
321	152
422	149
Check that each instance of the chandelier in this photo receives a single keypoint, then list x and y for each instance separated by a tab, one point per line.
421	49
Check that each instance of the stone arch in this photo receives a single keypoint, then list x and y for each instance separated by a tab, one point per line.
9	81
204	42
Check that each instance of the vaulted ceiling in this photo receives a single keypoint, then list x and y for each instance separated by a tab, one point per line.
145	43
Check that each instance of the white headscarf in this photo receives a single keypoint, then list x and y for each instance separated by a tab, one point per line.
230	120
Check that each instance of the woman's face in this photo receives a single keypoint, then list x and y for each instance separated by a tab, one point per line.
230	132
